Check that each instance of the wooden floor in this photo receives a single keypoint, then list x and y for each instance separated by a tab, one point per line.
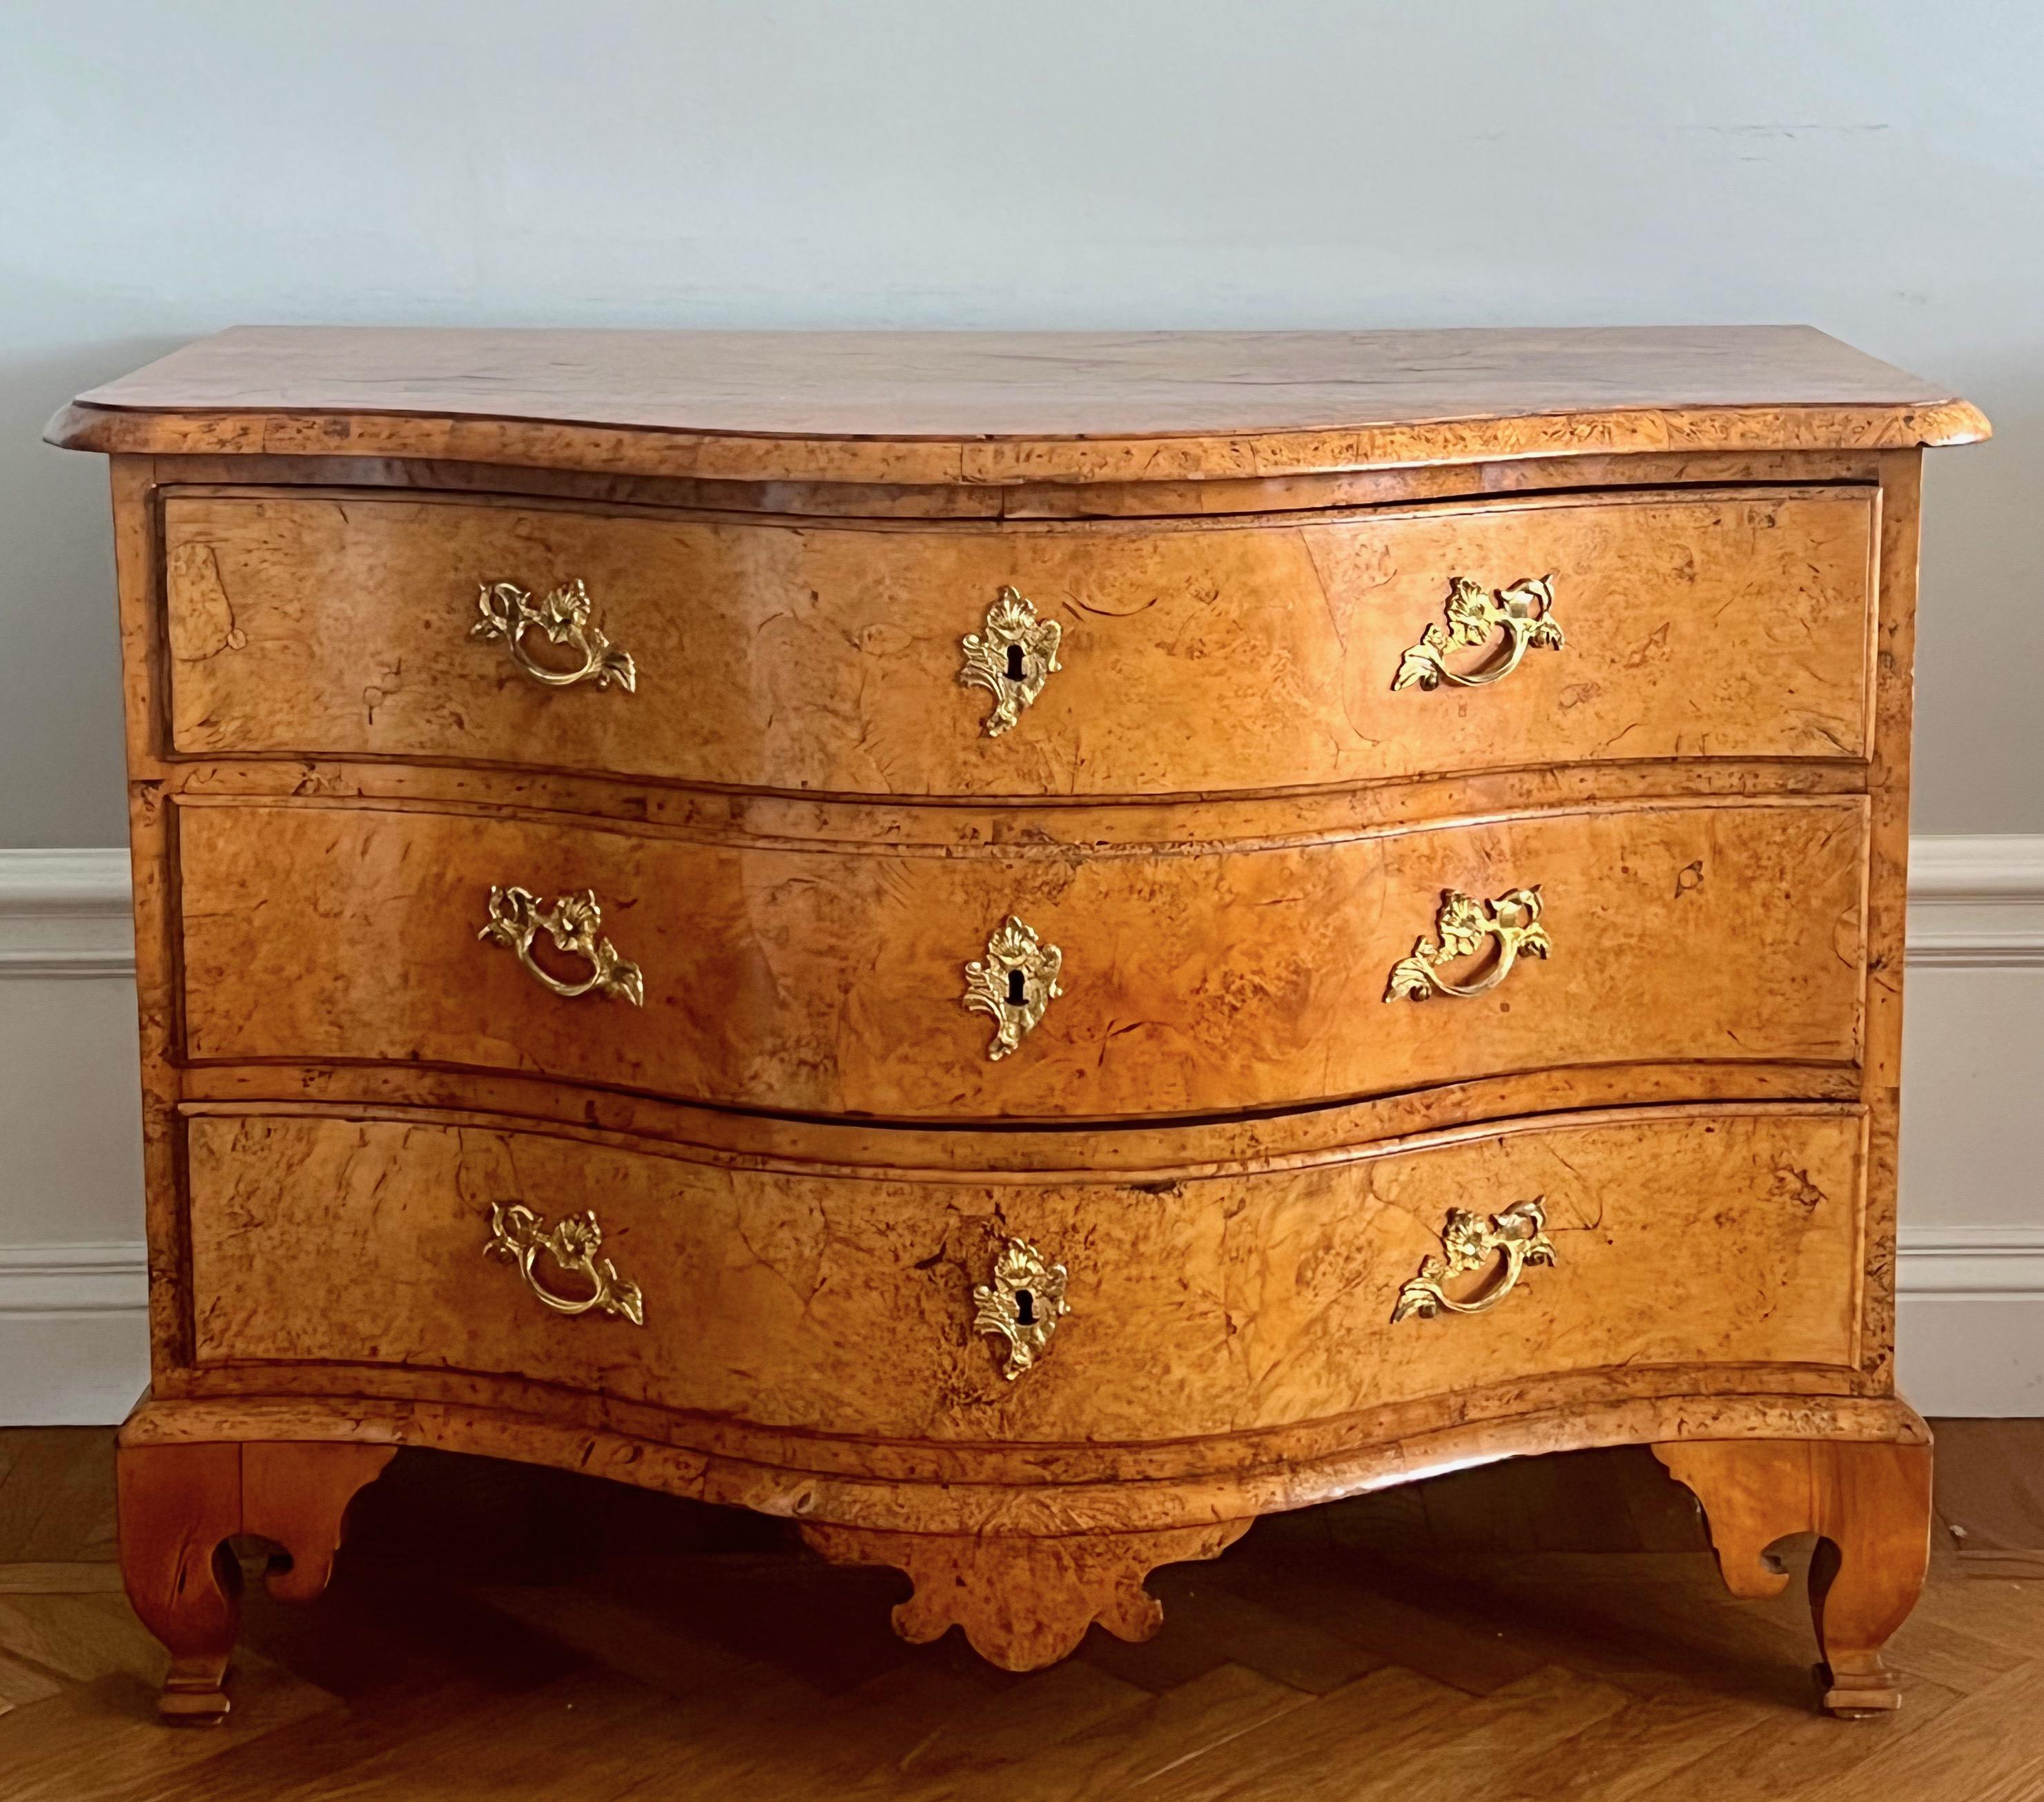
1550	1629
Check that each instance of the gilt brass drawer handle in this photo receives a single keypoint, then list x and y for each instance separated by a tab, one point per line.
1023	1304
573	922
1463	924
517	1236
1525	611
509	612
1520	1235
1013	659
1016	984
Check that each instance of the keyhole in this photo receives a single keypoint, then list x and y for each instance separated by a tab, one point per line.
1015	670
1025	1308
1018	992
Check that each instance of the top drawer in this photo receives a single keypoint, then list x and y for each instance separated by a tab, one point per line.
1192	657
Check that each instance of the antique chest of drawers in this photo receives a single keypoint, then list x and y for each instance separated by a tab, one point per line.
1020	950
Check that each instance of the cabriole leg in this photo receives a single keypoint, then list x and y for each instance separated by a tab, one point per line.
180	1504
1868	1502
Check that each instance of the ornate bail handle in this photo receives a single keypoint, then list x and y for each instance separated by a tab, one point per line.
1011	659
1023	1304
517	1235
1513	920
509	612
1520	1235
573	922
1016	984
1525	612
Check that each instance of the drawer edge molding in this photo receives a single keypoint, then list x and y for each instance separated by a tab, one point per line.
123	430
1022	1503
961	833
1258	1141
1148	1174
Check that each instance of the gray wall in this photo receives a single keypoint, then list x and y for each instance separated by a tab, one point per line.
1876	168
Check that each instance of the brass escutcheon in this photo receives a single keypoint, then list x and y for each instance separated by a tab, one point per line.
1013	659
1525	612
1015	984
1022	1304
509	612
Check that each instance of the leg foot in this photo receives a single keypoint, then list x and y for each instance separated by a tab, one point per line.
1025	1603
1870	1503
180	1504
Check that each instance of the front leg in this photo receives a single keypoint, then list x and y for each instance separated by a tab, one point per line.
1868	1502
179	1505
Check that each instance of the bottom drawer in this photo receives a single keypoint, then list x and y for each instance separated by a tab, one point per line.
1211	1303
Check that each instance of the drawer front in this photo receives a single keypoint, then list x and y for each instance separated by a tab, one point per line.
1191	657
1189	979
1206	1306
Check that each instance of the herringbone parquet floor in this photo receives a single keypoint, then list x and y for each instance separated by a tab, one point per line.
1542	1631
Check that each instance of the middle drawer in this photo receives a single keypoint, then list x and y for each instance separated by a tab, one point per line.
882	981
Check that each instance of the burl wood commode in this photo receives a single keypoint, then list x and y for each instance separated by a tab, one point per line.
1020	950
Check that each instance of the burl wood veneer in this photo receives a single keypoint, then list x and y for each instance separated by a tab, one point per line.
1731	624
1020	950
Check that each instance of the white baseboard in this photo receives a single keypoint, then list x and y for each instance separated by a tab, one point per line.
65	914
1968	1263
103	1277
1976	903
73	1332
73	1327
1969	1319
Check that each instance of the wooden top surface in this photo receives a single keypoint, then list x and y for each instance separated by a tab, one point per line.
973	406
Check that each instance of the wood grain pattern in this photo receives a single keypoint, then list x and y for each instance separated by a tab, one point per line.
1218	809
1157	501
1726	623
1870	1504
966	407
1208	1305
179	1505
1114	826
1195	981
1044	1491
1887	890
1025	1604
